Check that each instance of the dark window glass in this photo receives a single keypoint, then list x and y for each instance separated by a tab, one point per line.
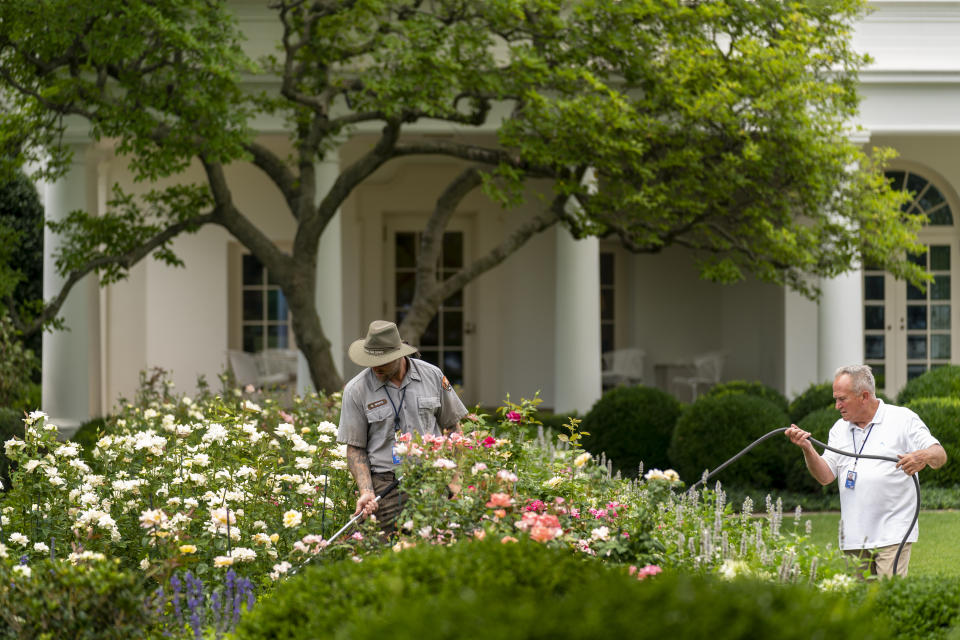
919	259
873	287
940	317
252	270
874	347
940	289
915	370
277	336
453	250
873	317
277	306
452	328
406	244
606	338
915	184
942	216
453	366
916	317
430	355
940	257
940	347
913	293
253	305
896	179
917	347
253	338
606	304
930	198
431	336
455	300
406	282
606	268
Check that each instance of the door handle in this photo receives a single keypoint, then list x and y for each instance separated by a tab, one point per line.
901	324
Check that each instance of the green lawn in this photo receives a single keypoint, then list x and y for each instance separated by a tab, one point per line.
935	553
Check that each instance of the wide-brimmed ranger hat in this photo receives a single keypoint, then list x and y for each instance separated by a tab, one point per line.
382	345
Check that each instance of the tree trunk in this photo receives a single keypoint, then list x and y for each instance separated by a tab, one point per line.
311	340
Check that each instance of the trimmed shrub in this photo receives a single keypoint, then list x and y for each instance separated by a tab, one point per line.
92	600
942	416
488	590
632	425
917	607
714	428
816	396
87	435
939	382
750	388
818	423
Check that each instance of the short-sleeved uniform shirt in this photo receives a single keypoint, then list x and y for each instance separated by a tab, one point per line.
878	509
425	401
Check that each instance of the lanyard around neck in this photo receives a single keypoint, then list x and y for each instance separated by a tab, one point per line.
862	444
396	407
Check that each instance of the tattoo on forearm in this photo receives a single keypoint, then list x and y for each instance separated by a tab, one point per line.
358	461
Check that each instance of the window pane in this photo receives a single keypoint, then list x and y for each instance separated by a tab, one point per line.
252	270
873	317
914	370
453	366
606	268
930	198
914	293
405	286
940	289
941	216
276	306
606	337
873	287
919	259
874	347
253	338
431	337
940	316
896	179
915	184
452	328
940	347
277	336
916	316
606	304
453	250
940	258
431	356
406	247
455	300
253	305
879	375
916	347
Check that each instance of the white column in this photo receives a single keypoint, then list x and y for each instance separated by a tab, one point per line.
71	367
329	291
840	323
577	316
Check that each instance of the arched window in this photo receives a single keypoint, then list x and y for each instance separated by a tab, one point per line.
926	197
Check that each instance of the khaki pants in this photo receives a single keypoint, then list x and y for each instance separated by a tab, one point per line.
879	561
390	505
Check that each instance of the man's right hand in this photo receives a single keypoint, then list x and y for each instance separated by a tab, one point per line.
798	436
366	503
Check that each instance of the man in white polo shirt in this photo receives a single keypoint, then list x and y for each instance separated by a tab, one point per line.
877	498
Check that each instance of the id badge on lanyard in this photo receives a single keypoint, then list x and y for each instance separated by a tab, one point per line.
851	481
397	408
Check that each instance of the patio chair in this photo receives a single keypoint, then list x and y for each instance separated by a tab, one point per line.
260	370
707	370
622	366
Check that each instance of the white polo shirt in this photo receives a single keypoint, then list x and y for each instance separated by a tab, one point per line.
880	507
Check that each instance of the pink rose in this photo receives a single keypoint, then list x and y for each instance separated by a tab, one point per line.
513	416
500	500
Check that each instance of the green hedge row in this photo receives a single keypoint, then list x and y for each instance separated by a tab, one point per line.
488	590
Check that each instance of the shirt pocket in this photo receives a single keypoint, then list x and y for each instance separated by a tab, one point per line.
428	407
380	418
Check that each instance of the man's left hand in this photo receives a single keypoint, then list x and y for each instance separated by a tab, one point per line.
911	463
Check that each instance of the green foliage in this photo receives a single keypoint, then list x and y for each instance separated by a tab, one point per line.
938	382
714	428
816	396
18	365
90	600
942	416
87	435
21	250
751	388
11	425
632	425
555	421
916	607
493	590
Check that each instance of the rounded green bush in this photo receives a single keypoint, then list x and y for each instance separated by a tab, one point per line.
918	607
818	423
939	382
814	397
488	590
632	425
750	388
714	428
942	417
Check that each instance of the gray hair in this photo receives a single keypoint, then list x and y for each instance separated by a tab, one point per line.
861	378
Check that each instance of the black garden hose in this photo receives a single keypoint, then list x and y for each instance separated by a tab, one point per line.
916	479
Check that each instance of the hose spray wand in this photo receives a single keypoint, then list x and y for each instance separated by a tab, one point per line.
916	479
390	487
